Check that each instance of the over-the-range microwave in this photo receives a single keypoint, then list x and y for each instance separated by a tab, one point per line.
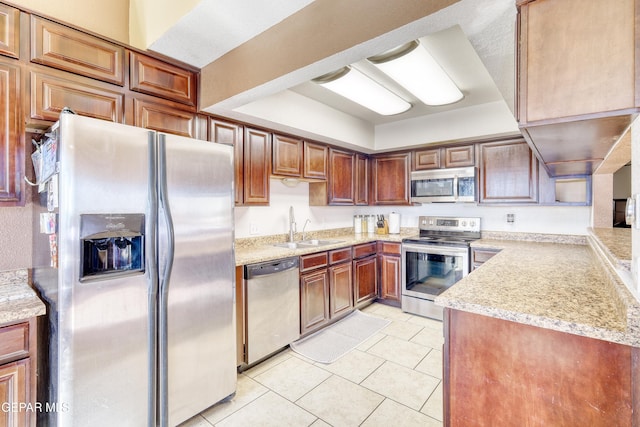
444	185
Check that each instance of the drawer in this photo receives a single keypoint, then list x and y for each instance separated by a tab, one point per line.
366	249
389	248
14	342
340	255
312	261
482	255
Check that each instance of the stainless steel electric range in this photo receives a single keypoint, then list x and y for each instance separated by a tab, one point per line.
435	260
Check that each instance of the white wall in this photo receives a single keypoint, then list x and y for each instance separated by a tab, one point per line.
273	219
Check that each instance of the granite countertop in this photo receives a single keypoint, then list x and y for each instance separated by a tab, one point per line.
260	249
564	287
18	301
616	245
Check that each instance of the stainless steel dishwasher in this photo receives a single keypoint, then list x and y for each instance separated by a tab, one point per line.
272	295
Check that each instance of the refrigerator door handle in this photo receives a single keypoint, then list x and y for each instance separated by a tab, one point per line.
166	254
152	268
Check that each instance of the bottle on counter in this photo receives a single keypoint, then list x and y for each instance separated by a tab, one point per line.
357	224
371	224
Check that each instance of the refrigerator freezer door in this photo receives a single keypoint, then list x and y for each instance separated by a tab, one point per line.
200	323
100	358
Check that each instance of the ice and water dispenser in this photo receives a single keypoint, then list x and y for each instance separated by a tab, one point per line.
111	244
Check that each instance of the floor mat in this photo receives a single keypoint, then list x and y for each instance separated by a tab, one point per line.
335	341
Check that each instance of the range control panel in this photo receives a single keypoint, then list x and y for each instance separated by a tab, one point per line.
456	224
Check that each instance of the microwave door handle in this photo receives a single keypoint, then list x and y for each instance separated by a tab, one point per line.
455	187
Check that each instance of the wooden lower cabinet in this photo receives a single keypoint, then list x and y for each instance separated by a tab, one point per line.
326	288
390	277
14	378
365	274
340	289
502	373
314	300
18	361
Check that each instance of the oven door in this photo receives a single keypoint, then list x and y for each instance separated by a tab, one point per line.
428	270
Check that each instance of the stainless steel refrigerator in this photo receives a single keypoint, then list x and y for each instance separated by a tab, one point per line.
133	254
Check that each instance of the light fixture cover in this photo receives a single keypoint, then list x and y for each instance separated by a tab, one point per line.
413	67
356	86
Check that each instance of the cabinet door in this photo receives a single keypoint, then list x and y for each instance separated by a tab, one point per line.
390	277
341	172
340	289
257	162
67	49
365	278
287	156
232	134
154	77
426	159
10	35
508	173
314	300
164	118
13	392
455	157
315	160
53	91
11	140
562	53
391	179
362	180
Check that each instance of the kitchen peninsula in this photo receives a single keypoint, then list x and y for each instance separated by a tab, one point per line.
548	332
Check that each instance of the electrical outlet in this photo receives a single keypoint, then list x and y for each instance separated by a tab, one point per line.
253	228
511	218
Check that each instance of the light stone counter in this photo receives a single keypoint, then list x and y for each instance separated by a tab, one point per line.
18	301
564	287
260	249
615	243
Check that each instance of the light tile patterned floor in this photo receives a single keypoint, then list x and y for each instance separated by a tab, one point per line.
393	378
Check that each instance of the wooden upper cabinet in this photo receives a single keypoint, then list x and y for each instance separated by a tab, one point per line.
154	77
567	66
315	160
286	156
11	138
70	50
164	118
390	179
362	180
341	173
444	157
53	91
461	156
9	31
508	173
426	159
224	132
257	162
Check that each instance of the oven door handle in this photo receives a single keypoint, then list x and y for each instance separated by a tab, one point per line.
434	249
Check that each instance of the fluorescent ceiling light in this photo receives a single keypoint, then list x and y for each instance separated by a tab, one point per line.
414	68
354	85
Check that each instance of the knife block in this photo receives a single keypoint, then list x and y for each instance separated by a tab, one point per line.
384	229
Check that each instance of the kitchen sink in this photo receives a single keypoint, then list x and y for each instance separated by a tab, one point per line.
310	243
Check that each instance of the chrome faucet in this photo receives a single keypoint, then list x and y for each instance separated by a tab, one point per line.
292	224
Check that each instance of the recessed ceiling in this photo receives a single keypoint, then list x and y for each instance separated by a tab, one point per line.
473	40
452	50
